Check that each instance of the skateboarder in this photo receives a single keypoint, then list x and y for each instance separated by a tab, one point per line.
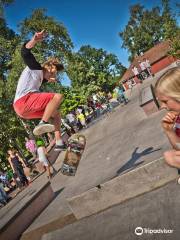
168	93
29	103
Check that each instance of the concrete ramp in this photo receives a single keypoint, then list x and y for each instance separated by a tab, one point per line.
16	216
151	216
130	185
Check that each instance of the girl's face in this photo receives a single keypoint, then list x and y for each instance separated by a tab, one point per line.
168	103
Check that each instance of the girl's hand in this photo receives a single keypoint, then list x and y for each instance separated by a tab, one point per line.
169	120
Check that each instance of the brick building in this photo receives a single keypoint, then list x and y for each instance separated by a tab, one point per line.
158	57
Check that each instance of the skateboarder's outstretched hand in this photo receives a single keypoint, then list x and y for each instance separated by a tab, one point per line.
39	36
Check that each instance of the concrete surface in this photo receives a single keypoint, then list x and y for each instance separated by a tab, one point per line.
156	210
121	141
16	216
136	182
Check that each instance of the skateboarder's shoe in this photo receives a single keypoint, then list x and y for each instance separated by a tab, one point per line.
62	147
42	128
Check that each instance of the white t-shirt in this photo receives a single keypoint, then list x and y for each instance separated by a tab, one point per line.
142	66
147	62
29	81
135	71
42	156
70	117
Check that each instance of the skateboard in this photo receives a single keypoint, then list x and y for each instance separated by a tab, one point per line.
76	146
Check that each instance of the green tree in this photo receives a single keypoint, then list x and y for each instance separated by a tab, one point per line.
170	26
57	43
93	67
147	27
4	3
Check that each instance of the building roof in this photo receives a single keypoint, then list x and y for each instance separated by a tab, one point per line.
153	55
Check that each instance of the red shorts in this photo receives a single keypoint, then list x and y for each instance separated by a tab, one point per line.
32	105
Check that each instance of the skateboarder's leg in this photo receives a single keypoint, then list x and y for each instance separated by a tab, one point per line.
57	131
50	107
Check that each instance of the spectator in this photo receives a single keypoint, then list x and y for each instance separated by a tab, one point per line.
90	103
81	118
3	196
167	90
43	157
71	120
31	146
130	86
121	96
136	73
17	164
95	98
148	66
5	181
144	72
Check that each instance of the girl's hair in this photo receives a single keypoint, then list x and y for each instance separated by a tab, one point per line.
12	150
169	83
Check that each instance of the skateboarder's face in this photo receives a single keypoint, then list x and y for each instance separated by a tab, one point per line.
168	103
50	74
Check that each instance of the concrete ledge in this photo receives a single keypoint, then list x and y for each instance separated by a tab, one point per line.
20	212
148	100
37	233
157	209
122	188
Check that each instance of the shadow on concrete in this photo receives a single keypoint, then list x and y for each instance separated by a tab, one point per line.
58	192
131	163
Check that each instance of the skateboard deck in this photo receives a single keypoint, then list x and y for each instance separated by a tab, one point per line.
76	146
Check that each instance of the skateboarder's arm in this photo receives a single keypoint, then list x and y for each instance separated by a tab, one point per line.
29	59
26	54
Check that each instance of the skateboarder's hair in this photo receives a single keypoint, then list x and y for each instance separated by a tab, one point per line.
169	83
53	62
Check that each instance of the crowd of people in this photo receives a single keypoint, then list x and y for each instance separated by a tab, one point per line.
143	70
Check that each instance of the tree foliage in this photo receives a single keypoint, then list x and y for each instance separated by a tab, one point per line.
57	43
93	67
147	27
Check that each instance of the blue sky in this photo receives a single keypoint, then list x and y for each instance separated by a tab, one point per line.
93	22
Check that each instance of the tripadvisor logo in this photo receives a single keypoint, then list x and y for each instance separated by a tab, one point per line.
139	231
